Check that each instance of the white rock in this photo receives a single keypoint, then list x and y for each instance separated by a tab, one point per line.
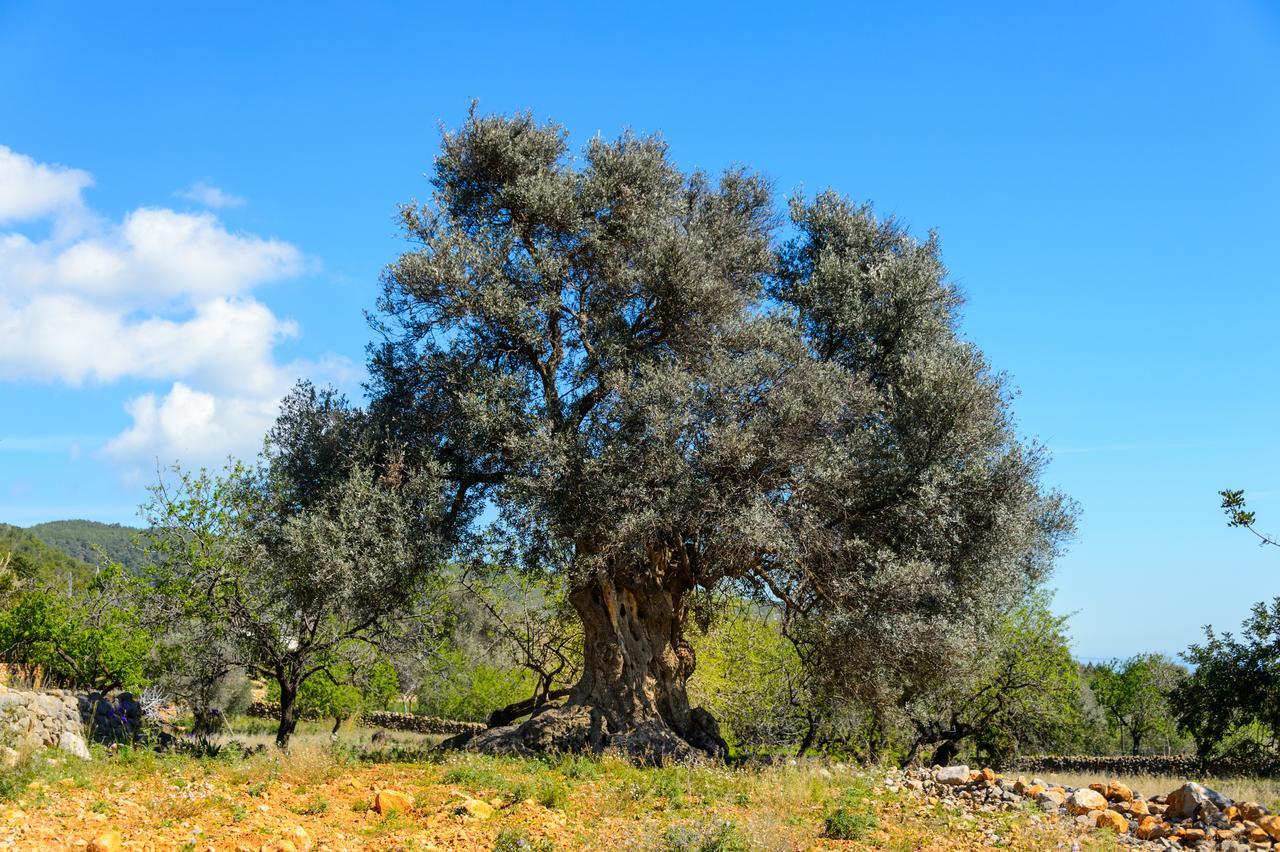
73	744
955	775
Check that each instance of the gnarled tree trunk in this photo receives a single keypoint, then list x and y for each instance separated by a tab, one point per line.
632	697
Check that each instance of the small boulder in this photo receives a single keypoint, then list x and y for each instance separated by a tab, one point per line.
1258	835
111	841
1185	802
1150	828
1252	811
1271	825
1083	801
1033	790
300	838
1139	808
1050	799
1117	792
1112	820
476	808
392	800
953	775
73	744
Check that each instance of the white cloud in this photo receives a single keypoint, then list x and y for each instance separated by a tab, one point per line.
203	192
159	295
30	190
153	255
193	426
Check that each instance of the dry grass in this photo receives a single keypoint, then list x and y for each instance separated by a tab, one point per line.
173	801
1263	790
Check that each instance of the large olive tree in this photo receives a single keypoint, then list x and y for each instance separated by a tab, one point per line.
629	379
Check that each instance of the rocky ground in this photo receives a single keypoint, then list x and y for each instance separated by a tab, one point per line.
319	799
1191	816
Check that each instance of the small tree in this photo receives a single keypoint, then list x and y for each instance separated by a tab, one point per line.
1135	695
90	641
319	546
357	681
1027	691
1234	687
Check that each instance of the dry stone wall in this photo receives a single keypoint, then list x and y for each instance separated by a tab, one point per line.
383	719
1184	765
418	724
40	720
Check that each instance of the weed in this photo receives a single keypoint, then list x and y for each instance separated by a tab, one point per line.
471	775
720	836
578	768
517	840
552	793
314	806
853	817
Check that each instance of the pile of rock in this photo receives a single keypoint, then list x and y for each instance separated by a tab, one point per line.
34	720
1191	816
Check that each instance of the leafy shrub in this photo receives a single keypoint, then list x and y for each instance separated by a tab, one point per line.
469	689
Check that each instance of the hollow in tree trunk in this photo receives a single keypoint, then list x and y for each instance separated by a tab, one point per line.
632	697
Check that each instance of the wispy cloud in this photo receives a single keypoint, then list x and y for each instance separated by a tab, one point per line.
204	192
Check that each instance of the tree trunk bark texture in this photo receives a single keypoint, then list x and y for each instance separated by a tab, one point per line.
632	696
288	716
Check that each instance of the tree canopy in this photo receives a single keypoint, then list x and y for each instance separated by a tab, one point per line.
626	375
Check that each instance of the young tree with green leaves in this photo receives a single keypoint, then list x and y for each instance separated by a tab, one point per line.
1134	693
1026	692
94	640
1233	688
322	547
656	397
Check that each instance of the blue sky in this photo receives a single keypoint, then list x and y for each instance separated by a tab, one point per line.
195	206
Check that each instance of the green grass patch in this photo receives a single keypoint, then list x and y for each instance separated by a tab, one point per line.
853	817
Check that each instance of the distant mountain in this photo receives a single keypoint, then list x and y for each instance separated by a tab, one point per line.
92	542
35	563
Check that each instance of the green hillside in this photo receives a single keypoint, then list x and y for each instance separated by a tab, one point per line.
90	541
32	562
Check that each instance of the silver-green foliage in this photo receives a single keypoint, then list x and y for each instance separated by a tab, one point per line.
630	364
285	566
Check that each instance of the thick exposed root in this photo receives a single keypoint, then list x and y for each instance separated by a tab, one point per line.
579	729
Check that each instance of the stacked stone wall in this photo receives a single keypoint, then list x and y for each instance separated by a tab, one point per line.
417	724
382	719
46	719
1181	765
